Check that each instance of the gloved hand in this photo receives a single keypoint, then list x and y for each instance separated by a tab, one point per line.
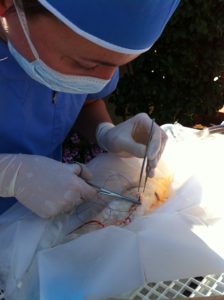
130	139
45	186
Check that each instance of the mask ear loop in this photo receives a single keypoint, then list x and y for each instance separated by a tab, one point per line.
23	22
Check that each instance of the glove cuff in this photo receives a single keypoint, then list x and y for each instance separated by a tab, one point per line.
101	131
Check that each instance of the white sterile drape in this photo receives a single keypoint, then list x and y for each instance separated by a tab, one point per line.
182	238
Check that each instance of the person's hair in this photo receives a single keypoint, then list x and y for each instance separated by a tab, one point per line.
32	7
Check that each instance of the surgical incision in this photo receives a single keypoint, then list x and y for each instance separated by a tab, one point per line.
103	211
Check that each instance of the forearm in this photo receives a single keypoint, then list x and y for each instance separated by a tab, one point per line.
91	115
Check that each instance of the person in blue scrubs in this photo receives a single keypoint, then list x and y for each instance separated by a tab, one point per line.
58	60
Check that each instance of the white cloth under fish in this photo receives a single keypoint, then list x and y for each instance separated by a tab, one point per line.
182	238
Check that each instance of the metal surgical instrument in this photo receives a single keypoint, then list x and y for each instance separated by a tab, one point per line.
109	193
146	161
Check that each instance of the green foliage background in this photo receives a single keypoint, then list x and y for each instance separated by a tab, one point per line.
174	81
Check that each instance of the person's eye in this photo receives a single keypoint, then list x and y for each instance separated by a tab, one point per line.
87	67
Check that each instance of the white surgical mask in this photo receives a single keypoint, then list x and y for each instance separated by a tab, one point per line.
56	81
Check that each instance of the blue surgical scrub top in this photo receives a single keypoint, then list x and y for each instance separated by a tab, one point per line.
31	122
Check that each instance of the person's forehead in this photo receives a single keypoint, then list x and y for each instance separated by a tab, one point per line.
125	26
74	45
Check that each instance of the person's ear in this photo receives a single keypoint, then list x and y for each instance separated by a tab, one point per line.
5	6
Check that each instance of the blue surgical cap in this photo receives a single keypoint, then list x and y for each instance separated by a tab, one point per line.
125	26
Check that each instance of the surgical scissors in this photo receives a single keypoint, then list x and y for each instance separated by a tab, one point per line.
109	193
145	159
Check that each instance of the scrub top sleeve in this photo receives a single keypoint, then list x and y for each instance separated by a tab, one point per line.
109	88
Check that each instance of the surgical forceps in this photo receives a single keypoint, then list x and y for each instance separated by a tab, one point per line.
145	159
109	193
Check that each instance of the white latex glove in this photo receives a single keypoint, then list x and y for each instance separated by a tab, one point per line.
45	186
130	138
